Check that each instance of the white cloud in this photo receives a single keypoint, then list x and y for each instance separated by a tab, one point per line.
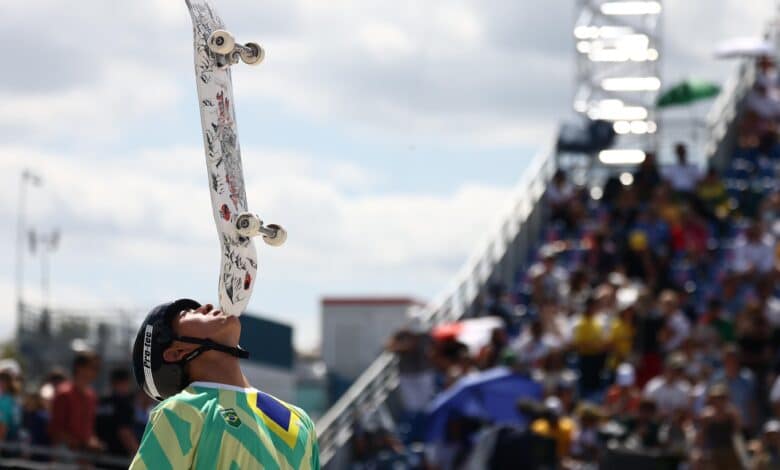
384	41
125	92
120	197
413	68
129	220
492	76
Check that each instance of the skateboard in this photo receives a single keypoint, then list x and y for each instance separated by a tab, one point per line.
215	52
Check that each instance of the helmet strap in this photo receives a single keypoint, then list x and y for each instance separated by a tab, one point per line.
209	345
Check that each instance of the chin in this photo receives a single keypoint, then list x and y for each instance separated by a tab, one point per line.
233	324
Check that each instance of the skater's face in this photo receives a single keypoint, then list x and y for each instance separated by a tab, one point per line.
209	323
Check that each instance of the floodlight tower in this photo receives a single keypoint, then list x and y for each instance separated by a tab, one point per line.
618	44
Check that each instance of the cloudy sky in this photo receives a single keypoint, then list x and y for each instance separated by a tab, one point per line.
384	135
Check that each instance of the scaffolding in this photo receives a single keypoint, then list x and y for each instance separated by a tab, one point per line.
618	48
48	338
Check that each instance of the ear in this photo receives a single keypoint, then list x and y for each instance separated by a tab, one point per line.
178	351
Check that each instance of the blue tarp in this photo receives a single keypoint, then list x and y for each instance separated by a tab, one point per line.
491	395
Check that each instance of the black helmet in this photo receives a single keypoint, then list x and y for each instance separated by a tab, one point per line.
158	378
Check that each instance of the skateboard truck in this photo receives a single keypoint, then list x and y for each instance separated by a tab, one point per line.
250	225
223	44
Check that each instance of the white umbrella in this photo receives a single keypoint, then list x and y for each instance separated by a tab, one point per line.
744	47
475	333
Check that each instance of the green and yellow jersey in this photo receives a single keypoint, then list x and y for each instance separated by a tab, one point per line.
216	426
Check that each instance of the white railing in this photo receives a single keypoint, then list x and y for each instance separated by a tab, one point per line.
725	110
497	257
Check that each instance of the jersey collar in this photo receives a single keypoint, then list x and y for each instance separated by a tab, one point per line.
216	385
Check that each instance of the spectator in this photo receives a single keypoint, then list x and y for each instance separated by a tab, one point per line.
770	213
10	411
754	336
550	281
48	387
586	446
711	192
768	455
715	319
740	386
452	361
647	177
560	194
733	294
665	205
763	109
644	433
115	416
74	407
499	304
691	235
373	442
621	333
625	211
35	419
606	300
566	391
622	399
717	432
638	257
590	343
490	355
412	345
143	405
532	346
647	344
774	397
656	230
579	290
554	424
455	449
767	76
677	327
683	176
754	252
670	391
602	256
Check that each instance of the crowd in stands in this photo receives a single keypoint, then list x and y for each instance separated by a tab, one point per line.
650	318
63	418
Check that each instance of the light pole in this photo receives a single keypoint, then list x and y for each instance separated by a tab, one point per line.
47	243
30	178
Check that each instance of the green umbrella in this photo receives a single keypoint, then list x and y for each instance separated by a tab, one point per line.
687	92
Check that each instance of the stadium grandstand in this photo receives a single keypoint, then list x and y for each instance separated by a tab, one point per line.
629	318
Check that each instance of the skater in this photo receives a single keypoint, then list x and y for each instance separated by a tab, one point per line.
187	356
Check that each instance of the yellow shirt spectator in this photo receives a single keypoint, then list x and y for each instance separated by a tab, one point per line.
621	338
561	434
588	336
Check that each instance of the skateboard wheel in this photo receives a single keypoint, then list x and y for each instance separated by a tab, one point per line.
248	225
221	42
279	239
252	53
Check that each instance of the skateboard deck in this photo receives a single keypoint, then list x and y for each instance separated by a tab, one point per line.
215	52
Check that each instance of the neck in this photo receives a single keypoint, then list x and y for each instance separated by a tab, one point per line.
217	367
